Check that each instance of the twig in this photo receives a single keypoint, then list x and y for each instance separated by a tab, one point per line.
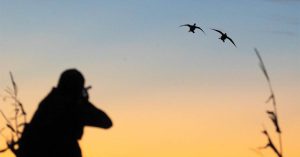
271	144
19	110
14	84
6	119
273	115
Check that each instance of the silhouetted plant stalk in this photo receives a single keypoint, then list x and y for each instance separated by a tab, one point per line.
13	124
272	114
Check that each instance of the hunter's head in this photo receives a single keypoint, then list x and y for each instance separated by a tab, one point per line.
71	81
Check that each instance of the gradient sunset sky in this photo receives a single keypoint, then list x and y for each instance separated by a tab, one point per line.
168	92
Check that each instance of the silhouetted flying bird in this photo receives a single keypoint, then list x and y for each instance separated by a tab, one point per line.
193	27
224	36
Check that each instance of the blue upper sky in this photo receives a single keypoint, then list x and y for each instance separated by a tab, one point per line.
54	35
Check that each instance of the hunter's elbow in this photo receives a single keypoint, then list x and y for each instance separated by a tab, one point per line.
108	124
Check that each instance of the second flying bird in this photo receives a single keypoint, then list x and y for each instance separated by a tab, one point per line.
193	27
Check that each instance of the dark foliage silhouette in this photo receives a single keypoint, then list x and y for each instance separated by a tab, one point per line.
273	115
58	123
16	123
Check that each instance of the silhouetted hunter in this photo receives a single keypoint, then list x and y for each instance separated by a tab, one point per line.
224	36
193	27
58	123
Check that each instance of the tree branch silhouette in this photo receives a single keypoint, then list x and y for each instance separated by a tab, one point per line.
19	111
273	115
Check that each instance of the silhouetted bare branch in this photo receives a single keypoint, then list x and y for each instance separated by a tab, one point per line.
274	119
272	114
15	129
270	144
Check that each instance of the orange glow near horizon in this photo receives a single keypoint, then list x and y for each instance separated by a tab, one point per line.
187	122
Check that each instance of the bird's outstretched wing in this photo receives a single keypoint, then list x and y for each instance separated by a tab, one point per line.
217	31
201	29
185	25
231	41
